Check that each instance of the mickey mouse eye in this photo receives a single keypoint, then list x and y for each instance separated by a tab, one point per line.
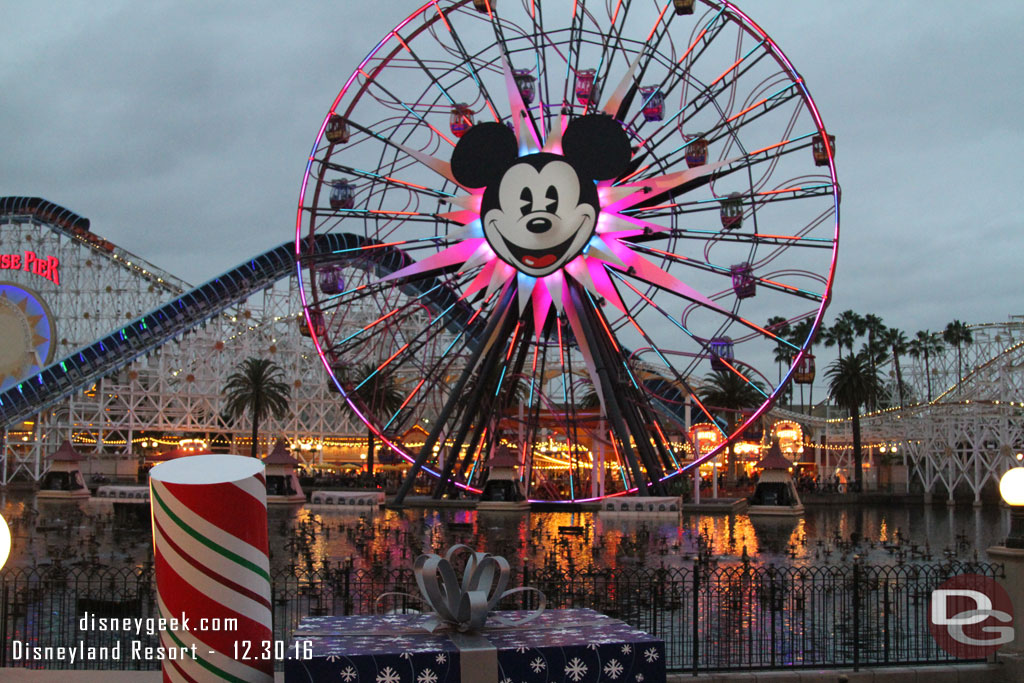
552	196
527	198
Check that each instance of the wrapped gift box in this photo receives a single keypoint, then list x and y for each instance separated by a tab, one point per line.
572	645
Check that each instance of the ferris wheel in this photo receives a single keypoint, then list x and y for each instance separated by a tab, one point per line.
551	221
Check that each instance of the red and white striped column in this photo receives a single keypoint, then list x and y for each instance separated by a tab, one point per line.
212	567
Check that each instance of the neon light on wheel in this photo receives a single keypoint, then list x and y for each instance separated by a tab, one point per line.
555	268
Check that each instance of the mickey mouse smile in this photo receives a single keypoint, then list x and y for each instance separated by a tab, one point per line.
540	258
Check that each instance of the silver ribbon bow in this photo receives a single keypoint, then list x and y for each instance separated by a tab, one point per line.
465	606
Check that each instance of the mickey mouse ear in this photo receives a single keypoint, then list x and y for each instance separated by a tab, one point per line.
597	145
483	154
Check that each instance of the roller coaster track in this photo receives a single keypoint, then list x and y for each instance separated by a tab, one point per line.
82	368
191	307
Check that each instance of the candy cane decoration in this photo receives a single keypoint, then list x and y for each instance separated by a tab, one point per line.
212	568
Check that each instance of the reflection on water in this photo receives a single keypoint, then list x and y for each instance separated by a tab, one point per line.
89	532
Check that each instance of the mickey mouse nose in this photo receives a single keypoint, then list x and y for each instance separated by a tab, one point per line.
538	225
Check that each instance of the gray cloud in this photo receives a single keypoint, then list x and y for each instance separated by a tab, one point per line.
182	129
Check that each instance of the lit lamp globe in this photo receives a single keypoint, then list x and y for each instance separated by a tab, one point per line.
5	541
1011	488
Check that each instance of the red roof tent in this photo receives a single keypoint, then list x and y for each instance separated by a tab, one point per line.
774	459
503	456
280	455
66	453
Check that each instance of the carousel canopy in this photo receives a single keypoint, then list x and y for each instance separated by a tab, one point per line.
774	459
66	453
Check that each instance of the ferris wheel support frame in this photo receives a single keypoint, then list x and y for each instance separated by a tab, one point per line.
488	340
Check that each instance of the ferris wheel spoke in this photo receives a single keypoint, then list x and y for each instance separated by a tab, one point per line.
470	63
722	129
608	45
653	206
378	293
434	80
382	215
712	26
407	350
648	47
389	180
409	308
725	313
537	39
572	62
411	111
678	377
398	147
727	271
708	97
736	371
410	245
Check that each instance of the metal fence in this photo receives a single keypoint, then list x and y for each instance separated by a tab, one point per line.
711	618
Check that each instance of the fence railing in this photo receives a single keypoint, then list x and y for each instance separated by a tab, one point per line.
711	619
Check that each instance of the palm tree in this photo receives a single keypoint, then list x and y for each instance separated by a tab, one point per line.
730	394
853	382
856	323
956	334
840	334
256	388
379	394
898	346
779	326
924	344
587	399
875	328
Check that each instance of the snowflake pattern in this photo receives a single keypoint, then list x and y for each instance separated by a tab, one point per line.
576	669
581	629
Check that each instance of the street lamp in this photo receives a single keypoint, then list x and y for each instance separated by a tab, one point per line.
5	541
1011	488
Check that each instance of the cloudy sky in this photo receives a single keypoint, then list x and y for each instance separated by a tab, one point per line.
181	129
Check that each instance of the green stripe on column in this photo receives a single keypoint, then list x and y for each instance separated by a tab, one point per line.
207	665
207	542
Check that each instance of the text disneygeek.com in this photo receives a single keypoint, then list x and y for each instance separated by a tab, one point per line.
140	649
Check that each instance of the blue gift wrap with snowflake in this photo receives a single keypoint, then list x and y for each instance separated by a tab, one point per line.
571	645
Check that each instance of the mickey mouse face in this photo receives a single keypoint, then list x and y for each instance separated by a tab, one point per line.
539	211
539	223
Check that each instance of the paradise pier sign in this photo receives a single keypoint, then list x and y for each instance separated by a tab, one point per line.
43	266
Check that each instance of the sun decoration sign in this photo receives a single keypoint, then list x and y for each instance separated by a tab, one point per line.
26	333
47	267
